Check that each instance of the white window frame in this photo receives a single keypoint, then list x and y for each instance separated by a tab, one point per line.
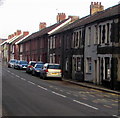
51	43
88	65
66	64
89	36
21	48
13	50
75	59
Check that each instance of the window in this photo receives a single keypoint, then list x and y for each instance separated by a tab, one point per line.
51	43
77	62
66	64
89	35
88	65
50	58
67	42
21	48
54	57
54	67
96	35
80	38
13	50
100	34
76	39
107	69
103	34
108	33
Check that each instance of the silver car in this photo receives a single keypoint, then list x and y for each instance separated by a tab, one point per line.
11	63
51	70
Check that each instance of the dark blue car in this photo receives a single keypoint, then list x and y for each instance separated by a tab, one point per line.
21	64
36	69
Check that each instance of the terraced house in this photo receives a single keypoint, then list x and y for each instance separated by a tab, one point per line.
88	48
10	50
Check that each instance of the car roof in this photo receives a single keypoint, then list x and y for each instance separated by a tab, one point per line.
52	64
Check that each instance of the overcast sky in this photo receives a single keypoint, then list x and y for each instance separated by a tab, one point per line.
26	15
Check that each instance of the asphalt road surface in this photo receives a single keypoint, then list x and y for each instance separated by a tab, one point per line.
27	95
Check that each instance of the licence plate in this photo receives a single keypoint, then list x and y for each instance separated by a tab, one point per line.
54	73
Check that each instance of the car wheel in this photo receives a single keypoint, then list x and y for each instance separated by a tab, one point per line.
44	77
33	73
40	76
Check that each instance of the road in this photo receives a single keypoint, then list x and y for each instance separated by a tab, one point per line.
27	95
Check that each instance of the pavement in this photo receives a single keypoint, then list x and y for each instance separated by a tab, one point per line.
93	86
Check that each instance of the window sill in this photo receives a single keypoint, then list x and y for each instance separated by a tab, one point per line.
88	73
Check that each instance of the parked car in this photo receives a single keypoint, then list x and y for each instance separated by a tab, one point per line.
11	63
40	62
30	66
21	64
51	70
36	69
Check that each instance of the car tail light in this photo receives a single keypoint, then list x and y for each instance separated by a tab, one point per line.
46	70
30	66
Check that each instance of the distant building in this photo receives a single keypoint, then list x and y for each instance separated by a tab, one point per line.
1	41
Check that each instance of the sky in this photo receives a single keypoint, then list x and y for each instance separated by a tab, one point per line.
25	15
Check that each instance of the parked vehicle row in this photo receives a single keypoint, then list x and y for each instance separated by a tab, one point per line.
43	70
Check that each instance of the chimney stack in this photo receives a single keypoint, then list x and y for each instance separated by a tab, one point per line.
73	18
42	25
18	32
25	33
60	17
96	7
9	37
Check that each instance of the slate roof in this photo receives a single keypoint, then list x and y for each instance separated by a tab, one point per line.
110	12
43	31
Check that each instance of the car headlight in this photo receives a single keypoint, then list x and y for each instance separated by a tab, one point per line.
37	71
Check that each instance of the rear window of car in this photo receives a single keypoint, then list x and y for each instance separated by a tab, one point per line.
54	67
39	66
23	62
32	63
13	61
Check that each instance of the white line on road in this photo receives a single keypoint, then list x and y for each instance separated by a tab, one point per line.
58	94
17	76
31	82
22	79
8	71
42	87
68	93
85	104
116	116
12	73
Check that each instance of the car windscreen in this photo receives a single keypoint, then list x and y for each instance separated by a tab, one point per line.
12	61
23	62
39	66
33	63
54	67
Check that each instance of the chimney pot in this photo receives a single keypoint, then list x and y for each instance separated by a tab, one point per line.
42	25
60	17
18	32
25	33
96	7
